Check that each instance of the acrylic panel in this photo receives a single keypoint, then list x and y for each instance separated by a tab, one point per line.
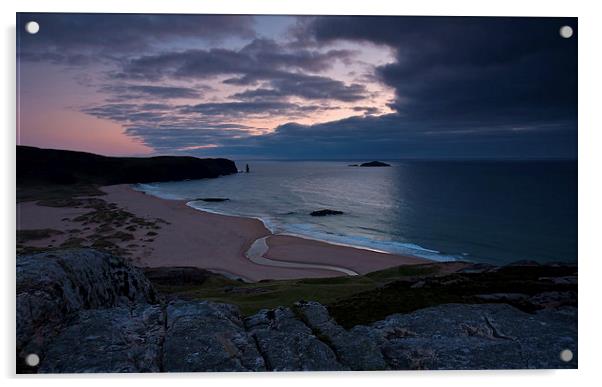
208	193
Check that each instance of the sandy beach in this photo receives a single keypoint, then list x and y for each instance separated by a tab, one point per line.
220	243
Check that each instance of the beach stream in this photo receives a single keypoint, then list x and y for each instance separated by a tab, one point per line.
256	255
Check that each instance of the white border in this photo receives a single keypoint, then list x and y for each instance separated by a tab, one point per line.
590	192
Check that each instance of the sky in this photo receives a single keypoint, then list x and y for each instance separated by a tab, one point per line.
308	87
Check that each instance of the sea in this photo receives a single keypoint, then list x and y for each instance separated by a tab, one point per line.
494	212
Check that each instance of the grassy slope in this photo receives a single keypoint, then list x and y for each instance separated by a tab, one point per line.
29	192
372	297
251	297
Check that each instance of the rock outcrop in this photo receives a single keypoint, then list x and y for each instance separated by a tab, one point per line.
86	311
119	339
53	287
287	344
355	351
205	336
484	336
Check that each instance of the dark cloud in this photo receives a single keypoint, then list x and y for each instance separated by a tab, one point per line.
305	86
464	86
240	109
163	128
173	139
120	92
466	68
65	37
391	137
277	68
128	112
261	59
253	108
53	57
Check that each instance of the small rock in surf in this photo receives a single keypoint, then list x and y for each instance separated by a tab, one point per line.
326	212
213	199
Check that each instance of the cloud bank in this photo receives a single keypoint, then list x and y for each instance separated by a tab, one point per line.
331	87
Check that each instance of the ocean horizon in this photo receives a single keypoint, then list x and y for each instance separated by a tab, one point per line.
489	211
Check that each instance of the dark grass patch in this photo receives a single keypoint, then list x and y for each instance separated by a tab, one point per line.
404	271
105	216
24	249
60	202
251	297
73	242
104	244
55	193
405	296
121	236
371	297
110	223
24	236
104	228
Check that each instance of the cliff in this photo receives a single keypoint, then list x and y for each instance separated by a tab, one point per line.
50	166
85	311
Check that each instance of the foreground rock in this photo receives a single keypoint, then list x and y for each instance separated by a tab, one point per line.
287	344
53	287
119	339
355	351
205	336
326	212
86	311
487	336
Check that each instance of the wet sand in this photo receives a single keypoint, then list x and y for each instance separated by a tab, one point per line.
218	242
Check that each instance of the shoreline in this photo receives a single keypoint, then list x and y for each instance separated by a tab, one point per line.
291	234
413	249
220	242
